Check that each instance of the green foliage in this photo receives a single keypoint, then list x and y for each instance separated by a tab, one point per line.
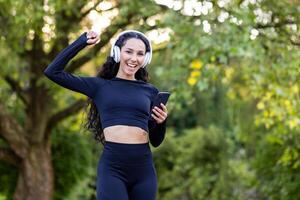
258	77
196	165
72	157
8	180
278	177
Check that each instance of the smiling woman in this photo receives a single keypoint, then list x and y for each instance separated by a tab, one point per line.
120	114
132	58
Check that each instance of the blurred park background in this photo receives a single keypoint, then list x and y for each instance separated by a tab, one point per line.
234	115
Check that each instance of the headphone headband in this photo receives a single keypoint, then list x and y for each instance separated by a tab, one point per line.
115	50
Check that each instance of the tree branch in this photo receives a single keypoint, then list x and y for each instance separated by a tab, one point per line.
8	156
84	14
275	25
12	132
17	88
110	31
33	56
64	113
65	23
295	43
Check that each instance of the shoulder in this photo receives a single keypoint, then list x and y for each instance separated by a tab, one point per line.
154	90
101	80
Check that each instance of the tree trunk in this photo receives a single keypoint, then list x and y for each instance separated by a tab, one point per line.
35	180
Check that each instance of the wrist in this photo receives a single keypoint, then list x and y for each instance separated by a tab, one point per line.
83	38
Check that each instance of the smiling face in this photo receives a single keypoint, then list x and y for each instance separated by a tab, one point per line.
131	58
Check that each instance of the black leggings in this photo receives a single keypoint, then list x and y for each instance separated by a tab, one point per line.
126	172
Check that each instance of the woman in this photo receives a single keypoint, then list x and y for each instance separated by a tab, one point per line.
120	114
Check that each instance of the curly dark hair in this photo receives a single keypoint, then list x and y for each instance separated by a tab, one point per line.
108	71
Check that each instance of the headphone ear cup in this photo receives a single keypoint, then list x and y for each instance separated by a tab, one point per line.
146	59
116	54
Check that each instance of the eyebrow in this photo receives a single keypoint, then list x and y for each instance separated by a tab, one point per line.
128	48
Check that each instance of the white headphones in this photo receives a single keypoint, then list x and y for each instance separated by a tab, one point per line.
115	50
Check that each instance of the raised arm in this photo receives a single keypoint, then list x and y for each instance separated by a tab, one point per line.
55	71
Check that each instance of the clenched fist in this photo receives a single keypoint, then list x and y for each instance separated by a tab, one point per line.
92	37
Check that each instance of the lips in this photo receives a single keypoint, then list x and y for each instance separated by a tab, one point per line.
131	65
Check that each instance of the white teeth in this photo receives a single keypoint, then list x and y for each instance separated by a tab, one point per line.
131	65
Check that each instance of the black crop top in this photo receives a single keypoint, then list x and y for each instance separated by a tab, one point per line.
118	101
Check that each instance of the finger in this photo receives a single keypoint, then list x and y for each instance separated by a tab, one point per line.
154	117
92	41
88	35
96	34
159	115
89	41
164	107
158	120
91	35
162	112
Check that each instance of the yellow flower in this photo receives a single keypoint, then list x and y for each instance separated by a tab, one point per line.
292	123
267	125
243	92
295	89
272	113
192	81
260	106
196	64
195	73
229	72
287	103
268	96
224	80
231	94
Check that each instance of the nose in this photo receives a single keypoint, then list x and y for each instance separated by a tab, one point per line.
133	58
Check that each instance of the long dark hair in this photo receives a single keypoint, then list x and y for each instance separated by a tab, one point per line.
108	71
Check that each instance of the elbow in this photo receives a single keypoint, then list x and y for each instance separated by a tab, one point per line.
155	144
47	72
157	134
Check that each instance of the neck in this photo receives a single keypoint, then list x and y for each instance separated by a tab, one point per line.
125	77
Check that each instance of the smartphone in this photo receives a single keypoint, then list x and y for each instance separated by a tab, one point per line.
161	97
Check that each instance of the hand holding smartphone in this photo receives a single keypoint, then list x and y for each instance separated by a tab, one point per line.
161	97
